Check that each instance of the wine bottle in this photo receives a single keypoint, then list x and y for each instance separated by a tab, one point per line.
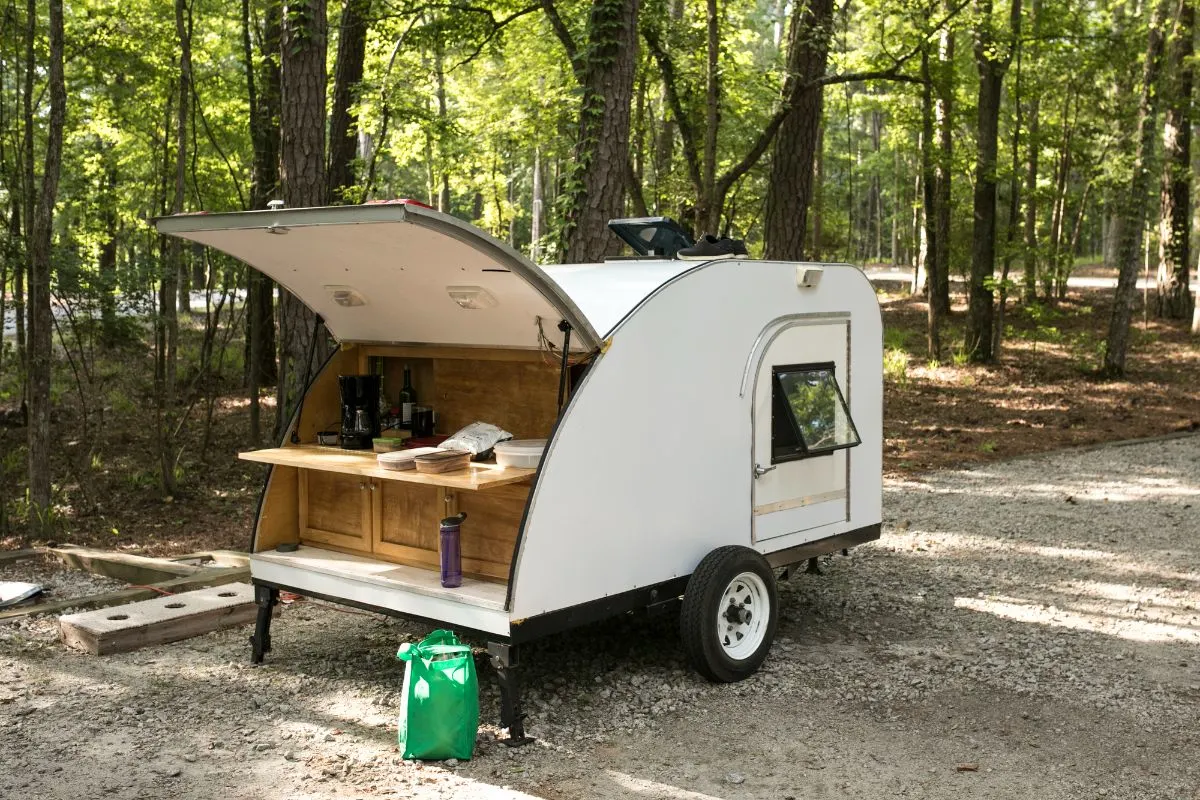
408	399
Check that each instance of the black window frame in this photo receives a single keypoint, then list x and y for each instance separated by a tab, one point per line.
787	440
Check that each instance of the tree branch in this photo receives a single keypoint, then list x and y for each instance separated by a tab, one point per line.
686	132
634	186
564	36
797	88
892	74
497	26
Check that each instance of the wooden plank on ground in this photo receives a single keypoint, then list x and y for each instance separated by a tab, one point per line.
215	576
163	619
216	558
7	556
139	570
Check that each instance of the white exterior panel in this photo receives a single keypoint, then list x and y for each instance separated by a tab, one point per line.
402	260
652	466
606	293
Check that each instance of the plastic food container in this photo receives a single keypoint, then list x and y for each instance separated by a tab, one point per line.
400	460
386	444
443	461
523	453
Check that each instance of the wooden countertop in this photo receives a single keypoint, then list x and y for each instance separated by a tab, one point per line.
362	462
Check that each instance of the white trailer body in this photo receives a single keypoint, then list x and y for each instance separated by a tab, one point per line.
728	411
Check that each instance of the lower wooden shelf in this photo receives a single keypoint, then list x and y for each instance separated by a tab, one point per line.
416	580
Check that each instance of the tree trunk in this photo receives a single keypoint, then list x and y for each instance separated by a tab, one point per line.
1054	281
943	110
302	174
790	184
818	196
929	202
992	67
28	196
107	262
443	123
875	196
1029	256
712	121
535	215
40	352
343	119
1014	213
1173	296
1134	204
597	192
171	290
264	99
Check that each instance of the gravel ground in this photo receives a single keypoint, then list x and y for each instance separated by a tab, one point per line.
1028	630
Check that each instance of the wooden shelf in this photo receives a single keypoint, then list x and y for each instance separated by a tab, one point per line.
363	568
361	462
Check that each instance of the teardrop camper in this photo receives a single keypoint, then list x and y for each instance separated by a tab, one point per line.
709	425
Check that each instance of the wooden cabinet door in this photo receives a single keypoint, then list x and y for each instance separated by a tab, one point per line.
335	509
406	522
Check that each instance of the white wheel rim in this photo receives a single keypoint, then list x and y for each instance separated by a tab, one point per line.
742	615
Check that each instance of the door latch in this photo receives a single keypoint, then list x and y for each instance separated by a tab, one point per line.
760	470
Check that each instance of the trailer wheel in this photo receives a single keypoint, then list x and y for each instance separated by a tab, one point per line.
729	614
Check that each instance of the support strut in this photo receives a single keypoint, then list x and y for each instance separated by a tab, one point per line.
504	661
265	597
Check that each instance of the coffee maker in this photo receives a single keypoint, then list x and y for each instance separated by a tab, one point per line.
360	410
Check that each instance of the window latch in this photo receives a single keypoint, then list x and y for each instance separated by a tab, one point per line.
760	470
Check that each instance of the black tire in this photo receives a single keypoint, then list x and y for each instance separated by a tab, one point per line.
701	605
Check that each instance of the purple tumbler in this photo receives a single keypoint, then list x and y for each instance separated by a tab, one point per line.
451	550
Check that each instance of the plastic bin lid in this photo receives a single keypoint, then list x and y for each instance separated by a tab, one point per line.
521	447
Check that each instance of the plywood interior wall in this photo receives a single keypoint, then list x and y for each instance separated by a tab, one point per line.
516	390
279	515
323	404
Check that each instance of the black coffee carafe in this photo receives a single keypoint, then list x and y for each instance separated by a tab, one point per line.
360	410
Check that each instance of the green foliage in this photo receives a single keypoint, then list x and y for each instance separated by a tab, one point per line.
895	366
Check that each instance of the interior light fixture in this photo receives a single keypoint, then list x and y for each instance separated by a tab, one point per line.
346	296
471	296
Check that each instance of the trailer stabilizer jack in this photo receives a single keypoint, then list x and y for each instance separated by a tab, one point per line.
504	661
266	597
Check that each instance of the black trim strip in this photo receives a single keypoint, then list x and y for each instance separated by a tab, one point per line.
821	547
596	610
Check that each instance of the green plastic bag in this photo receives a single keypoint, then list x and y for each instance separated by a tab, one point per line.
439	714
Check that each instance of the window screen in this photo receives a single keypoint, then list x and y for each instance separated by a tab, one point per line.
808	413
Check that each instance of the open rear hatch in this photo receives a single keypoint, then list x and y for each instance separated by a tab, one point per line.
396	273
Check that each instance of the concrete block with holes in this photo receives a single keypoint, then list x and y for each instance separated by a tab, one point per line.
163	619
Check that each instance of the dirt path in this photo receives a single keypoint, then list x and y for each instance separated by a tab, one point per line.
1034	624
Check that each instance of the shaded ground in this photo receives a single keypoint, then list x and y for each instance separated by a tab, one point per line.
1028	629
1042	394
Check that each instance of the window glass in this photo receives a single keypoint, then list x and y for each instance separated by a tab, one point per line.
809	414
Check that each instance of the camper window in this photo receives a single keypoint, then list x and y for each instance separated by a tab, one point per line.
809	416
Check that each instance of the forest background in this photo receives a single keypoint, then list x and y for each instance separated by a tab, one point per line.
990	149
